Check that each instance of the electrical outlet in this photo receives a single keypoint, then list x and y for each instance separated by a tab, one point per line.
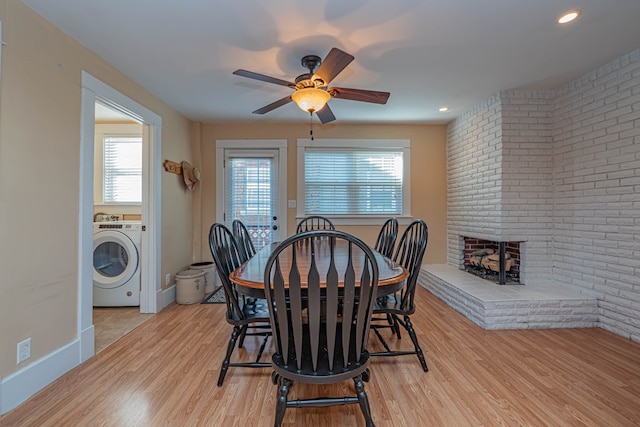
24	350
167	279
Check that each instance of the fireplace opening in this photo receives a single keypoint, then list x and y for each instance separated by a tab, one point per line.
497	262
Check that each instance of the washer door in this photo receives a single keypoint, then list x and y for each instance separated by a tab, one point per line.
115	259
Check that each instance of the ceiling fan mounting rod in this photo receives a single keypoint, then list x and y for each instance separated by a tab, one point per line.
311	62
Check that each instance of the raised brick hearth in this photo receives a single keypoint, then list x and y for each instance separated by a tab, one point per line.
493	307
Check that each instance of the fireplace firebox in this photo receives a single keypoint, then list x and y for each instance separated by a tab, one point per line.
495	261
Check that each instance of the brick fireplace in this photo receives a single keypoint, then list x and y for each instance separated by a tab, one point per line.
555	171
500	190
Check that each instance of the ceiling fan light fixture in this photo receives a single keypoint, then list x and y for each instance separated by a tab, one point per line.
310	99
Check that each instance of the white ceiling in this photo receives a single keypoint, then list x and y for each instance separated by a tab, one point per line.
427	53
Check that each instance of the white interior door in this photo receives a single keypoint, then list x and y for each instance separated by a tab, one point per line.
253	190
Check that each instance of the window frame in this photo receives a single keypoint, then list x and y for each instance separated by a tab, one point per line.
403	145
107	129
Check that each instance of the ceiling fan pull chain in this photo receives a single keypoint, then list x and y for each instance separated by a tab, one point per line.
311	124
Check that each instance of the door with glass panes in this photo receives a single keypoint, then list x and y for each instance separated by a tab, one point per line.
251	193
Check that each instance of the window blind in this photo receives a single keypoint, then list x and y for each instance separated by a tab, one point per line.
122	169
353	182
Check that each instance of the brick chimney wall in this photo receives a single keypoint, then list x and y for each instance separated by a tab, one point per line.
500	178
560	172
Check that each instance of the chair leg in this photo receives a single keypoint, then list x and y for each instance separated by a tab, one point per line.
396	325
414	338
227	357
283	391
243	334
363	401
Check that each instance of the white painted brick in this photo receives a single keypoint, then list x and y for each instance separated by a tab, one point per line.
588	132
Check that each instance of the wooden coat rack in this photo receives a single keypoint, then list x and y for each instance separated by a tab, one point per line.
173	167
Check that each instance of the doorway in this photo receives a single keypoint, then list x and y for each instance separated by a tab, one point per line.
117	200
95	91
252	187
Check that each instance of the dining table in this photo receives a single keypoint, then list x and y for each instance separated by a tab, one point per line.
249	277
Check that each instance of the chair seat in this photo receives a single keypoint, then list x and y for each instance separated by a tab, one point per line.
390	304
254	310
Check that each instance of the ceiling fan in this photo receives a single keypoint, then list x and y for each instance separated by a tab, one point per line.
311	93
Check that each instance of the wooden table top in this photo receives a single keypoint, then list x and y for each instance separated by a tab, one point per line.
251	274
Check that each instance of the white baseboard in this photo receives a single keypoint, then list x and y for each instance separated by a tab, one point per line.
87	343
21	385
165	297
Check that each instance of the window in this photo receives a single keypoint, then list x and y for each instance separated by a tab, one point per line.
353	178
122	169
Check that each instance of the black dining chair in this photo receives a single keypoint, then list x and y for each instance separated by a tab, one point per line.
243	239
248	318
314	222
321	330
393	311
387	237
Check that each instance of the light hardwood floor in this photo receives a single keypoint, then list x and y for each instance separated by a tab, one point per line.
164	374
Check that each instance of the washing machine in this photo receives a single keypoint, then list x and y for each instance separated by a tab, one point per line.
116	263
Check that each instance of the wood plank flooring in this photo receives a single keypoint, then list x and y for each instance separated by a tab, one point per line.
164	374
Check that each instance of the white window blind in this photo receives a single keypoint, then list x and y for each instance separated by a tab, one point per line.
122	169
353	181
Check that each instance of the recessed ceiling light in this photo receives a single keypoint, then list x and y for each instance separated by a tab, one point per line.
568	17
443	109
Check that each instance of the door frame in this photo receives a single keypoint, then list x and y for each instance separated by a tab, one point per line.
254	144
94	90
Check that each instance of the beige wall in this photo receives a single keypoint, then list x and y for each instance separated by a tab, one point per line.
428	173
40	100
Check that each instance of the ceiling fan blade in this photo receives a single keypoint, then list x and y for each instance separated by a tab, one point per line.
263	78
333	64
273	105
325	114
361	95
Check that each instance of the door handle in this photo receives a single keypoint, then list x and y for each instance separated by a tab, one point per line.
275	218
275	227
